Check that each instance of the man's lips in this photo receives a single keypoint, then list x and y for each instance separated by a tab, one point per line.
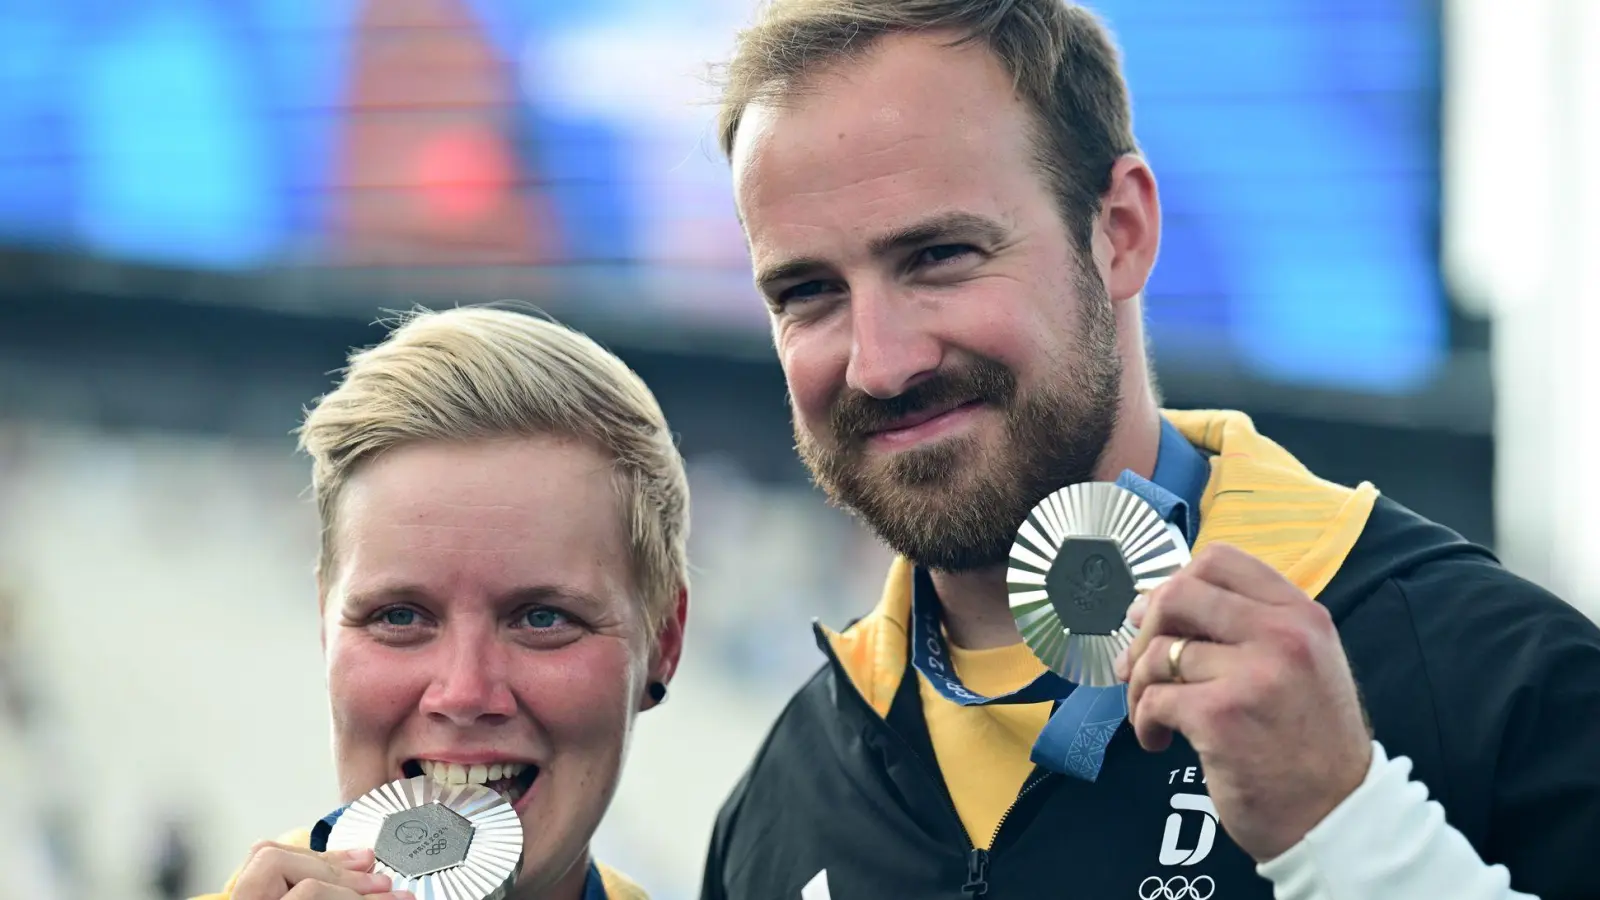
922	426
917	418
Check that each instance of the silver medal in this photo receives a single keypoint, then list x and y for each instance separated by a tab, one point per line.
438	841
1078	561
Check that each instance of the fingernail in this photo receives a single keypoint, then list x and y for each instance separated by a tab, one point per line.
360	858
379	882
1138	606
403	895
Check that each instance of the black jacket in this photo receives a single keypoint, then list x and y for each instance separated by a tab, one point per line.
1490	685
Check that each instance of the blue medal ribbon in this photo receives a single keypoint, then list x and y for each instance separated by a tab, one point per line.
1074	740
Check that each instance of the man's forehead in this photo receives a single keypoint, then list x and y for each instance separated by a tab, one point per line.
905	91
852	182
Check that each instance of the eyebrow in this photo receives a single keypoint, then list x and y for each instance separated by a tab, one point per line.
954	226
528	595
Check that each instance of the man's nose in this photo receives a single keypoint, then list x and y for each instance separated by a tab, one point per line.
469	686
890	351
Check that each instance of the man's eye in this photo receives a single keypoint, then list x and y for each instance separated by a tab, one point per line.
942	253
804	291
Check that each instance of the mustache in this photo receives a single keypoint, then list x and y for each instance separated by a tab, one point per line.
857	414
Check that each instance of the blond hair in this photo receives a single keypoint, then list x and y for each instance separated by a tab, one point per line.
477	373
1062	59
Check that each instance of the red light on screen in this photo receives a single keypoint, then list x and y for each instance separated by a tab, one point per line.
430	172
461	175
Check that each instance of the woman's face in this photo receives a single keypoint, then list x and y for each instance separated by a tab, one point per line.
481	624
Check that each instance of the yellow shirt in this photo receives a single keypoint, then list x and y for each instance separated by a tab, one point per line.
1006	732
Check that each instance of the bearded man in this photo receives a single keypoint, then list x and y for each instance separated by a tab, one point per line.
952	225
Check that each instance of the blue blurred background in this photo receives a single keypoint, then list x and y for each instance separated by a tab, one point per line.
1297	143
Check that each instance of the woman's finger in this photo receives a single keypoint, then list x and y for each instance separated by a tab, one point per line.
273	870
320	890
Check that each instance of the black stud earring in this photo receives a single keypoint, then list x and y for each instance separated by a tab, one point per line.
657	691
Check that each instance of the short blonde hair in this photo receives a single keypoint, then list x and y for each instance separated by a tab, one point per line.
478	373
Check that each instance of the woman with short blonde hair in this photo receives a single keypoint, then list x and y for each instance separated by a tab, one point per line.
502	582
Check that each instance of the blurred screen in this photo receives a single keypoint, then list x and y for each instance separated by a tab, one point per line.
1295	143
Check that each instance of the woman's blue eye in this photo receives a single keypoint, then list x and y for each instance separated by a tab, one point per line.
542	618
399	618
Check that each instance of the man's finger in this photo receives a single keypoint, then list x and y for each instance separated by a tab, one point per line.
1139	614
1199	661
1189	607
1234	570
1152	720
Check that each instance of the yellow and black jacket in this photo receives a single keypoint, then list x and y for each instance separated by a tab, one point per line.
871	785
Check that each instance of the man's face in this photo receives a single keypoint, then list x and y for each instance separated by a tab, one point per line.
951	356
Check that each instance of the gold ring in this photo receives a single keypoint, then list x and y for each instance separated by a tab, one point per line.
1173	654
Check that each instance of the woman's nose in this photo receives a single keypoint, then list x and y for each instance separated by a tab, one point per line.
469	687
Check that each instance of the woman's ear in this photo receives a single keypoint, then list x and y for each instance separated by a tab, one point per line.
322	608
669	648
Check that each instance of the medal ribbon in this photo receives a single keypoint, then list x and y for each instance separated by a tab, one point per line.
1074	740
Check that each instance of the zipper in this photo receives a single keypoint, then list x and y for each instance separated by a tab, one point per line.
1033	782
977	882
978	860
977	873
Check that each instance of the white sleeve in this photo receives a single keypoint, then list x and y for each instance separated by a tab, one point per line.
1386	841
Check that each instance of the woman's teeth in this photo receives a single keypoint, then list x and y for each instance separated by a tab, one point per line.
455	773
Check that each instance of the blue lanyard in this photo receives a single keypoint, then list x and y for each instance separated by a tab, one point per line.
1074	740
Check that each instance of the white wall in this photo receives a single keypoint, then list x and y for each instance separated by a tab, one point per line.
1522	227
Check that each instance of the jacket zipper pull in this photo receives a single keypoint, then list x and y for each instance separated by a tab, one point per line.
977	873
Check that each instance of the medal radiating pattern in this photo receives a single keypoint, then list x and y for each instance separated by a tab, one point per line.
438	841
1079	559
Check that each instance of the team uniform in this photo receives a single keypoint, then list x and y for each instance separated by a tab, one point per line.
1480	685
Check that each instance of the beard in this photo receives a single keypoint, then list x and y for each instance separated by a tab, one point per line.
955	505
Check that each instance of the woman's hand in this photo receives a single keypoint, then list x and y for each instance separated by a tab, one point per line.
282	872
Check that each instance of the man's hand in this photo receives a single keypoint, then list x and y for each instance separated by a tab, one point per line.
1263	693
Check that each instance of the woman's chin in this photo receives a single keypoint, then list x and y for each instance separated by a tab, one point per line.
551	854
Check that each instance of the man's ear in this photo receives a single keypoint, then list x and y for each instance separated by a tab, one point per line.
1127	234
669	645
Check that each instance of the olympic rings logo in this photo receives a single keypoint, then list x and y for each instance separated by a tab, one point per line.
1177	888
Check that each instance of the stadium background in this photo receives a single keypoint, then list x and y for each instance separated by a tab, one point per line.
1380	222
